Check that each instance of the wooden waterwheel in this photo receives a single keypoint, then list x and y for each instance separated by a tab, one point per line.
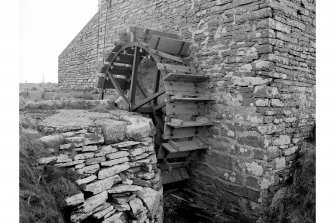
173	92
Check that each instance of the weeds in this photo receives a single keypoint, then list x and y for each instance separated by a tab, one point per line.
42	188
297	202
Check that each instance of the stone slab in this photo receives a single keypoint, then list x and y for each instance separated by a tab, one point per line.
108	172
102	185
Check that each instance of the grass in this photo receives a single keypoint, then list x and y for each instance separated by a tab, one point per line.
42	188
297	202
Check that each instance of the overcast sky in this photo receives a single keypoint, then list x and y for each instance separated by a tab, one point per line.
46	28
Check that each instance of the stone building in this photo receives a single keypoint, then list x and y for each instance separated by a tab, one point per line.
260	56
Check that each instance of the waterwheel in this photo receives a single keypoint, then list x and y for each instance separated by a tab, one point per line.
173	93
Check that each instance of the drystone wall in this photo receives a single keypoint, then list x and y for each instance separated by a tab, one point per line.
113	154
260	55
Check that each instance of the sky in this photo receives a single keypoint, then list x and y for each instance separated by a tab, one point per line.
46	28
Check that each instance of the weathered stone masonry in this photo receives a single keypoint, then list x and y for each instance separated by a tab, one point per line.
260	55
114	157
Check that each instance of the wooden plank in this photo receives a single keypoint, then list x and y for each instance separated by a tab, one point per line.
184	93
187	145
103	69
141	90
134	77
188	124
177	121
184	173
157	107
120	70
168	152
117	87
186	77
175	175
115	69
118	46
148	99
138	34
182	117
185	86
184	89
102	85
178	155
185	109
190	100
124	58
174	165
169	45
167	56
108	58
169	148
109	84
145	110
156	86
175	68
120	58
161	153
150	33
178	133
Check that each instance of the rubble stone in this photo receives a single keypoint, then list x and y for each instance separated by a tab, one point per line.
75	199
124	188
151	199
86	180
115	161
108	172
102	185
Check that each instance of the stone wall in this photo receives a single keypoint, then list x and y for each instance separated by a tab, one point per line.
114	156
77	62
260	55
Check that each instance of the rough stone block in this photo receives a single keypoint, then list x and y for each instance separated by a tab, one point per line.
253	139
102	185
52	140
136	206
109	210
106	150
71	163
117	155
115	161
93	138
136	152
108	172
90	148
126	144
83	156
254	168
282	140
75	199
94	201
63	158
139	128
151	199
118	217
113	131
89	169
124	188
86	180
97	160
